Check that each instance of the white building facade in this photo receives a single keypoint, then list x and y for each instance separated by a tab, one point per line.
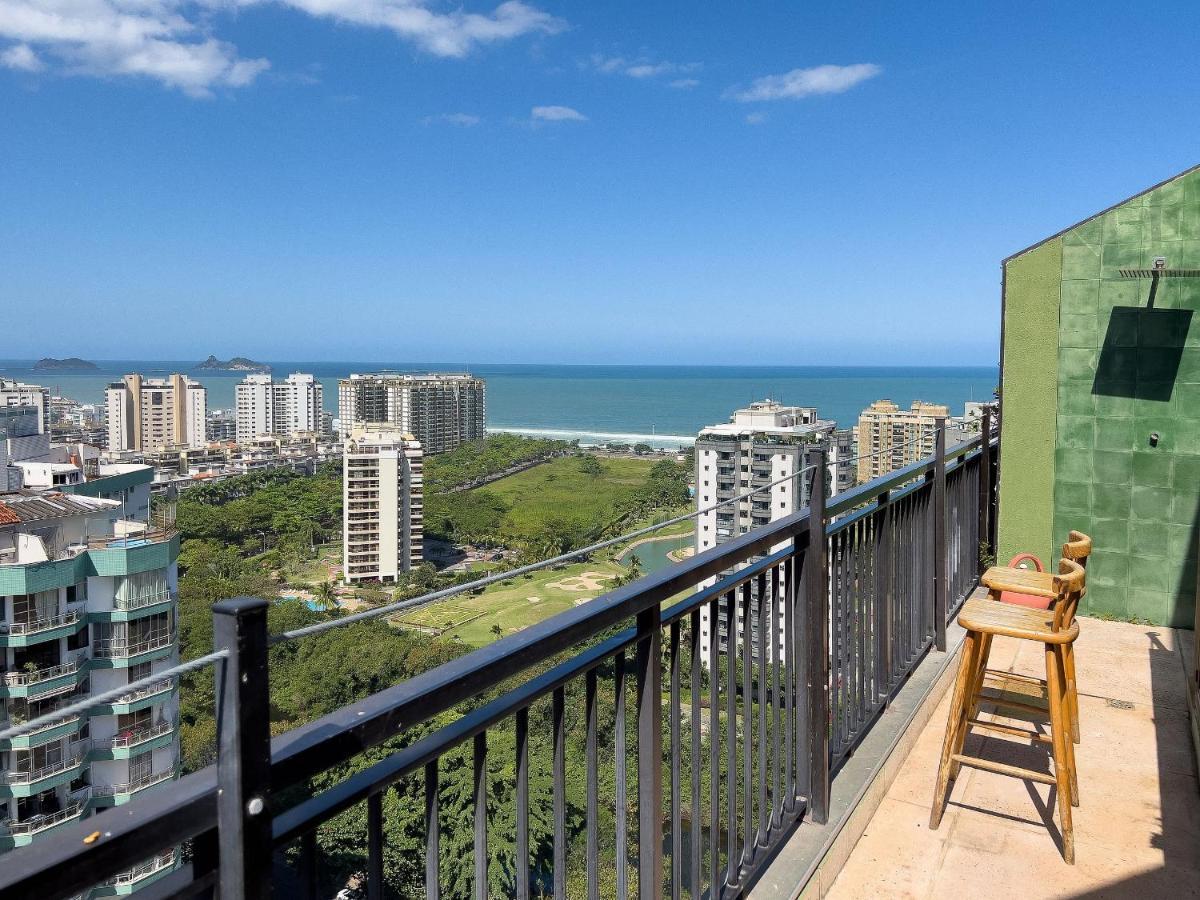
15	393
441	410
265	407
762	443
383	513
156	413
87	604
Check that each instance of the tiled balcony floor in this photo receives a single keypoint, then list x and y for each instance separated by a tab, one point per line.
1137	830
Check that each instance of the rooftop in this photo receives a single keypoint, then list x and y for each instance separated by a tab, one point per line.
32	506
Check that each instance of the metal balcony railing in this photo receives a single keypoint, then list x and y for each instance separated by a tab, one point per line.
73	757
35	626
135	736
149	691
37	676
128	604
72	810
132	787
131	540
145	870
120	648
864	587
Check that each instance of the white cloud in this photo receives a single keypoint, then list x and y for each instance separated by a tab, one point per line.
685	84
171	41
22	57
466	120
756	118
556	114
449	34
642	68
800	83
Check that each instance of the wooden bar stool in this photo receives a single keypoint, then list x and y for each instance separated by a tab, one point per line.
1055	629
1036	589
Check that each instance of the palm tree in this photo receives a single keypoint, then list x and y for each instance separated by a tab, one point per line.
326	596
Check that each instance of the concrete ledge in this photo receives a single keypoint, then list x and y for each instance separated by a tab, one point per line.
811	858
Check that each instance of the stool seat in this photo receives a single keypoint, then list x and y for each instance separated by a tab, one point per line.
1019	581
1010	620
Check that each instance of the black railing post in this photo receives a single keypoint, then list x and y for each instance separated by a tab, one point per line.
994	482
816	564
243	749
940	560
985	487
884	611
649	718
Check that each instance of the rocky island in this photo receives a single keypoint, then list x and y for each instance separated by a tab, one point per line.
236	364
50	364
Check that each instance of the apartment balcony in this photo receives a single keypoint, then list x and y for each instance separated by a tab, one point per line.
141	551
119	794
129	609
138	877
47	733
122	652
15	833
37	631
44	682
134	741
134	701
28	782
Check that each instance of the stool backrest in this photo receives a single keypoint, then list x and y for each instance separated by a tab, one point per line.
1078	548
1069	583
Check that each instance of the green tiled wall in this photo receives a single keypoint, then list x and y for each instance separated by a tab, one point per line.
1140	502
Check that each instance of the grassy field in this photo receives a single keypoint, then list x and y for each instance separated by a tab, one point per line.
515	605
560	490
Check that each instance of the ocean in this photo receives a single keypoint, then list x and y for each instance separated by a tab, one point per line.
662	405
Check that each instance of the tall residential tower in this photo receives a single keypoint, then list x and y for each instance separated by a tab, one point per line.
383	514
440	410
156	413
278	408
761	443
87	604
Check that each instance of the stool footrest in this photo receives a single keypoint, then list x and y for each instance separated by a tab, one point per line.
1001	769
1001	728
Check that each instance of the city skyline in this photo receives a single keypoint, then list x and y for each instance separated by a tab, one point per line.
480	183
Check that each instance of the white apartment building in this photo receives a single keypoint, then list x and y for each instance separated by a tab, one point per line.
156	413
441	410
15	393
67	630
383	517
265	407
761	443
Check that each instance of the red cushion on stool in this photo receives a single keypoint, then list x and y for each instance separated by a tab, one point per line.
1025	600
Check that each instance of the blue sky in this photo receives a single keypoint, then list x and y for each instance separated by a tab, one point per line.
780	183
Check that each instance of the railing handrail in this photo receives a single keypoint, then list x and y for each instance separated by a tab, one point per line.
33	626
144	870
129	787
149	691
137	736
77	750
156	535
37	676
107	648
128	603
33	825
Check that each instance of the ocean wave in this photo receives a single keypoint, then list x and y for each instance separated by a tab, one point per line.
625	437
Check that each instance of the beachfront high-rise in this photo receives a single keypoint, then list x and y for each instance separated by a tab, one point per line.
890	438
761	443
441	410
87	604
383	514
278	408
156	413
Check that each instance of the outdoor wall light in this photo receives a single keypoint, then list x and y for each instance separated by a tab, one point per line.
1154	439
